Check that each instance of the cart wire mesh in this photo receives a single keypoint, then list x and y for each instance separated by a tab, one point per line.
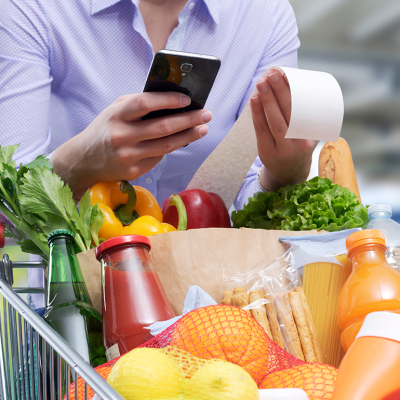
35	361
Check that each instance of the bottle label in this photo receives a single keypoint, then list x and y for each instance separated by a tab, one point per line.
112	352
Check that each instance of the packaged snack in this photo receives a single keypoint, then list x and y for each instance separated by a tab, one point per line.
260	313
282	282
273	295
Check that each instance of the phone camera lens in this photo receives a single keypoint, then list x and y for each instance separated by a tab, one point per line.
186	67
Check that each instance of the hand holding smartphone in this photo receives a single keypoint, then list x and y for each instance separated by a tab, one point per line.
187	73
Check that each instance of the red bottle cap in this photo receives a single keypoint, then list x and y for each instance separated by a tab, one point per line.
368	236
121	241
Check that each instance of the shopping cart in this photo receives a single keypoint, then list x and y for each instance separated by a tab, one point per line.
35	361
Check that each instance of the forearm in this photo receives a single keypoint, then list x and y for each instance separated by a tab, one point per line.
68	163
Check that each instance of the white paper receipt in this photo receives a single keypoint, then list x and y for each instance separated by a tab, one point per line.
317	105
112	352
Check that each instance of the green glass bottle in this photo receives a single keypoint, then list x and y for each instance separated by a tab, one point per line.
69	309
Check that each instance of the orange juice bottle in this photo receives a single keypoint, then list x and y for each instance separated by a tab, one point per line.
372	285
370	370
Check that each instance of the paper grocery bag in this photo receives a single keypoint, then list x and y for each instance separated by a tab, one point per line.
196	257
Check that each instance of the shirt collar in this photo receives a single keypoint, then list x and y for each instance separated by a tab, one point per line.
212	6
99	5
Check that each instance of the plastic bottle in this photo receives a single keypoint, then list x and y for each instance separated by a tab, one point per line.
370	370
381	218
372	285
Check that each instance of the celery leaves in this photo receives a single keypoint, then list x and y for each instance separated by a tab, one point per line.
37	202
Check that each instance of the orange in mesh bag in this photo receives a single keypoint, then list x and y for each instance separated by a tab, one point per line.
317	380
231	334
102	370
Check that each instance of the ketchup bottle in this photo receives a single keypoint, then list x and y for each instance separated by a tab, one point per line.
370	370
372	285
133	297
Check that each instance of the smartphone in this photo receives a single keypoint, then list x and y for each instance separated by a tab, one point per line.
188	73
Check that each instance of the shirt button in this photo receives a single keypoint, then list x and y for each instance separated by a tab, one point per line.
191	5
149	180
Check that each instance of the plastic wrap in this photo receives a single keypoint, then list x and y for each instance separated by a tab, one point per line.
273	295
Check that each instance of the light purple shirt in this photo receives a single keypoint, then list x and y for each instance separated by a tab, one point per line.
63	62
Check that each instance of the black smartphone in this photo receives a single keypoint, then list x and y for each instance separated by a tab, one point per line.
188	73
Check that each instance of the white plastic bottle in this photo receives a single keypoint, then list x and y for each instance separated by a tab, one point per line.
381	218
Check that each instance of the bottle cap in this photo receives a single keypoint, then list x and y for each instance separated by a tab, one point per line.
379	207
59	232
368	236
381	324
124	240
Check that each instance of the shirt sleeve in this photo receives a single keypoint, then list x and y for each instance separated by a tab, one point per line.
25	78
281	50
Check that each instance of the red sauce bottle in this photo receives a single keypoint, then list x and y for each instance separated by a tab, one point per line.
133	297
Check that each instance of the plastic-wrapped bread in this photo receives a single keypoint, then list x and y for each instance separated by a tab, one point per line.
311	325
240	298
227	300
260	313
273	321
289	330
302	327
239	290
336	163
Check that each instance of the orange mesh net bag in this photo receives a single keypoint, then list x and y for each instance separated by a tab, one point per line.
230	333
317	380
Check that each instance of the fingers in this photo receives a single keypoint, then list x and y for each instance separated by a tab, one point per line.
135	106
265	139
278	83
145	165
166	126
122	98
137	169
276	121
168	144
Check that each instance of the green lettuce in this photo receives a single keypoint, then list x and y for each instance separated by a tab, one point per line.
315	204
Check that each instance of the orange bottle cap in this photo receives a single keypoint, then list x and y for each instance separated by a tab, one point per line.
368	236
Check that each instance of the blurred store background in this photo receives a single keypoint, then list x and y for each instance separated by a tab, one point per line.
358	42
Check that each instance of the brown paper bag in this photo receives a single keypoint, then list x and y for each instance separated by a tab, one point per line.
196	257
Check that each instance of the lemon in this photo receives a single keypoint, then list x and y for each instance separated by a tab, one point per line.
221	380
146	374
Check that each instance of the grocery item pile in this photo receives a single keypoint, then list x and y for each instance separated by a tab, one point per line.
266	333
230	334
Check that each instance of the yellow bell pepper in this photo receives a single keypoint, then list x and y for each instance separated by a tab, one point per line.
126	208
148	225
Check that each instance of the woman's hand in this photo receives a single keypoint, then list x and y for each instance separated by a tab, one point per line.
118	145
285	161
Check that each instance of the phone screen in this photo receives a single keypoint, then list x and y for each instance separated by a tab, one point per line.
191	75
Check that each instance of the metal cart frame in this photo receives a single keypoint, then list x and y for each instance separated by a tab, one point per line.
32	353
